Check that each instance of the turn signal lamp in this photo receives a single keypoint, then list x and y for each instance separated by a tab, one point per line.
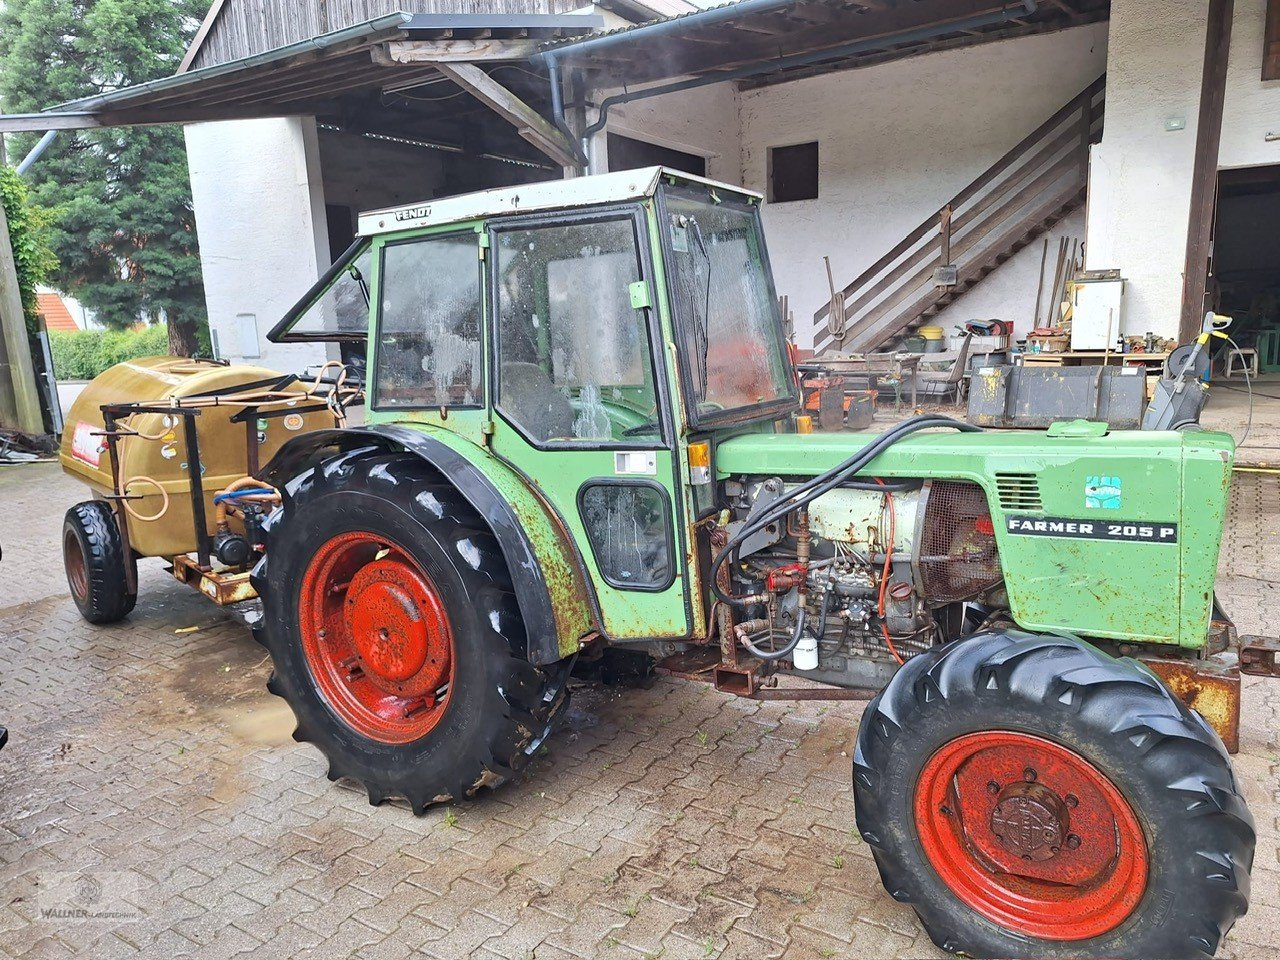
700	462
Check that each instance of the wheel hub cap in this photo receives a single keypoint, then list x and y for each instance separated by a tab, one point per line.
1030	820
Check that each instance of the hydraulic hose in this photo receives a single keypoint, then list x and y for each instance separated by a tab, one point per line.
796	633
824	482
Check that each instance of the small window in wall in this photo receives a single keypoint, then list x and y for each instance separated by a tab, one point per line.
793	173
1271	42
627	153
428	348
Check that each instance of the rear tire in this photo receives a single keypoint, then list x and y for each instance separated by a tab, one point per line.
93	555
389	613
1151	859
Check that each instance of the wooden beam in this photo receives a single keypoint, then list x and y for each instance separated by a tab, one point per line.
1271	42
397	52
531	125
198	40
1204	177
39	122
21	379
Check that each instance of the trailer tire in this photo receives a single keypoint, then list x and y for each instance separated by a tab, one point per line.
1151	859
93	555
389	613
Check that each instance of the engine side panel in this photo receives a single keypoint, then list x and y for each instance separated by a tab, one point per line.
1113	536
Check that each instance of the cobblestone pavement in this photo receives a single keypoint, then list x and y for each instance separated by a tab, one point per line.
150	770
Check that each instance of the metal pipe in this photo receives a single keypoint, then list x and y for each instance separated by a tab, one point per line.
783	63
731	11
34	154
557	112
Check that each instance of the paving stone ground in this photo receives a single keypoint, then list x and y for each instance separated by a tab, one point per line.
149	773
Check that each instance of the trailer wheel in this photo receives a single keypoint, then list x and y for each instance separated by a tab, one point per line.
1031	796
93	555
397	640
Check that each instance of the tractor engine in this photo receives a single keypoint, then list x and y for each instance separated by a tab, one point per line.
866	576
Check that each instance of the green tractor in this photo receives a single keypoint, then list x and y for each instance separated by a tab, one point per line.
584	442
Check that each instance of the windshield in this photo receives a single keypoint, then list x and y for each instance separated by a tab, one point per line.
730	328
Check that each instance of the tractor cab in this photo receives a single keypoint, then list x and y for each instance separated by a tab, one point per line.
612	311
581	331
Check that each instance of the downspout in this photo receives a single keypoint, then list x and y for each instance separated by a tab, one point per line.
558	117
34	154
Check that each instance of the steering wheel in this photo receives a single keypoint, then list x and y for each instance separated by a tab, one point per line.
640	428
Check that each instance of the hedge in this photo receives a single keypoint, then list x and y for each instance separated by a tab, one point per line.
86	353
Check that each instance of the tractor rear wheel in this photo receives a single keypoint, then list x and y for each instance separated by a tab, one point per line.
389	613
1032	796
93	555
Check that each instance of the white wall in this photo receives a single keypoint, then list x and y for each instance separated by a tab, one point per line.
895	142
702	121
1141	173
259	212
1252	108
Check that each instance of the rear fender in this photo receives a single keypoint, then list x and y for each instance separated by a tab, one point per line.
547	576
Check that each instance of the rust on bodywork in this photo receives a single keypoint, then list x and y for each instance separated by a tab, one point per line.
1211	687
222	588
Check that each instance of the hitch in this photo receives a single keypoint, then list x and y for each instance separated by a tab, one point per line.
1258	656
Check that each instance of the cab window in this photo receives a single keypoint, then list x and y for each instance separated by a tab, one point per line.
428	345
574	357
336	308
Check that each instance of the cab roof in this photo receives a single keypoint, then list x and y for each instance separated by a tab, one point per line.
532	197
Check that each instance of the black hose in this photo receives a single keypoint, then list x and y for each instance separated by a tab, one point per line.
796	634
823	483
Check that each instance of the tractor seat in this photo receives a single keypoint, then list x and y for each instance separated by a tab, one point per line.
528	394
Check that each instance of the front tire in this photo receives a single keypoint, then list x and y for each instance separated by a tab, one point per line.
1031	796
397	640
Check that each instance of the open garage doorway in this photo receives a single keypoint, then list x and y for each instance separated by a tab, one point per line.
1245	283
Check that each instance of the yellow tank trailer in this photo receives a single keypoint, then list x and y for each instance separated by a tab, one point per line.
127	438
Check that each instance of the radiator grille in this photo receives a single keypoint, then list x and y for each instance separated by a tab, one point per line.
1018	491
957	545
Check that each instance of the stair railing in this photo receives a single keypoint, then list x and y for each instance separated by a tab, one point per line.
1012	199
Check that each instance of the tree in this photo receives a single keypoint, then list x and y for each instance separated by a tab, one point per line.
124	233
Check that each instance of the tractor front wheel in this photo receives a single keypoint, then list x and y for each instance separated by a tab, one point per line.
389	614
1031	796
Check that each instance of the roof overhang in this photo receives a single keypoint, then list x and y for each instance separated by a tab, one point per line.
398	51
758	42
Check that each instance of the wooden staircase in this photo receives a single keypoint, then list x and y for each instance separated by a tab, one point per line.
1023	194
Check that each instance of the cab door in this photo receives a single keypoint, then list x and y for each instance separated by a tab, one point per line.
581	406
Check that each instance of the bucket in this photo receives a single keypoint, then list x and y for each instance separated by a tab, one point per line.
914	344
935	346
932	333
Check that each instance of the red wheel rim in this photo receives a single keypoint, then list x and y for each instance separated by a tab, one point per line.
376	637
1031	835
73	560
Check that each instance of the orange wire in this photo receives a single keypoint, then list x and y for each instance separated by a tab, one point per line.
884	576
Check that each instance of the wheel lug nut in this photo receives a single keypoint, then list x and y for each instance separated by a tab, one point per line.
992	787
1073	842
1029	775
1072	801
